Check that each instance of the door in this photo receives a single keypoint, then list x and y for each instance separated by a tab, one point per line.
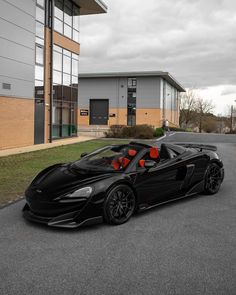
38	121
99	109
162	183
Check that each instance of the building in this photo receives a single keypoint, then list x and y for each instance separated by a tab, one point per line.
39	56
128	99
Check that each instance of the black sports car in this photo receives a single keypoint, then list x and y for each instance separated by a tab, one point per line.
115	181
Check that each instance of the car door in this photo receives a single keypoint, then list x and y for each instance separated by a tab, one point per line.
162	183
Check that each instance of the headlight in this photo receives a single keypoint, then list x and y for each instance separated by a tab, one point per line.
84	192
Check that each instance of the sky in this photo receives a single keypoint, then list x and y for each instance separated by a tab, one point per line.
193	40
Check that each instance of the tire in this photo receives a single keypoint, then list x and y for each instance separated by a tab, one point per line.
119	205
213	179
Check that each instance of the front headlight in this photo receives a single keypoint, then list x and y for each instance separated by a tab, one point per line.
84	192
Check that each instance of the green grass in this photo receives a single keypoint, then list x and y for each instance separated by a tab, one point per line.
17	171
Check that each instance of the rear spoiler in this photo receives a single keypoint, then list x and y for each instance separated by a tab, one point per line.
199	146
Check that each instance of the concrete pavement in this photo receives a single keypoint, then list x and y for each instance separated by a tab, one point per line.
33	148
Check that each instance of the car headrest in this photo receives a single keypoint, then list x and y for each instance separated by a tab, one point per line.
132	153
115	164
124	161
142	163
154	154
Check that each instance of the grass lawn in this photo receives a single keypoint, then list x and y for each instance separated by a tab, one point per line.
17	171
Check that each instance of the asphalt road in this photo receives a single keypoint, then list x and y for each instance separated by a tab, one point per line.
187	247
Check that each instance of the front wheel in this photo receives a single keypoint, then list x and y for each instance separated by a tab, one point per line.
119	205
213	179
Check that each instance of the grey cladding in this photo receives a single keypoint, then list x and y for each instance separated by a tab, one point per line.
17	50
103	88
148	92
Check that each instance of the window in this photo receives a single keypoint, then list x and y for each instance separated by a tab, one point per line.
39	49
58	25
76	18
40	14
68	12
57	61
39	73
57	77
58	9
66	19
39	54
131	102
66	64
40	3
65	80
39	30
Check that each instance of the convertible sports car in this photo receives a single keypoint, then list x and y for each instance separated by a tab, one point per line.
116	181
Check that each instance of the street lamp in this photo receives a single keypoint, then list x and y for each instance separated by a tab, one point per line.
232	118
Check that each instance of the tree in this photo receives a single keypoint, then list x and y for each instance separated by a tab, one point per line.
210	123
188	102
203	108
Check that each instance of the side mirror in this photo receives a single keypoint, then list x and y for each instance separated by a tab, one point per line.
83	155
150	164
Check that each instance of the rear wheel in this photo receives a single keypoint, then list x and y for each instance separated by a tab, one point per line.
213	179
119	205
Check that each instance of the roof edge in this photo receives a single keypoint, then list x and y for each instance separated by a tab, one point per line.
165	75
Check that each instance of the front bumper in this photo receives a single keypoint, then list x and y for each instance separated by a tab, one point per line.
68	220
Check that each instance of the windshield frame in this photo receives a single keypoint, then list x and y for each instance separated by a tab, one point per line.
81	163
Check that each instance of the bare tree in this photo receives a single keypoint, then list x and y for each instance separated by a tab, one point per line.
188	102
203	107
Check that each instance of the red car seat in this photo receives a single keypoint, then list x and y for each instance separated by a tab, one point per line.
154	153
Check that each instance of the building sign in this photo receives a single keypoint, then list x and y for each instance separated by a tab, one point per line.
84	113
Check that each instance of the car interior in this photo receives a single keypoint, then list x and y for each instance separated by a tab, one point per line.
165	153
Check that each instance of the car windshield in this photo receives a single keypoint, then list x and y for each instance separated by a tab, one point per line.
110	158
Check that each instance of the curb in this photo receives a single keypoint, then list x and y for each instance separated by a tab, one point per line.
9	203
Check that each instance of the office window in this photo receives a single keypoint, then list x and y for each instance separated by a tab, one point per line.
40	3
131	101
39	54
39	49
58	9
40	14
66	19
65	80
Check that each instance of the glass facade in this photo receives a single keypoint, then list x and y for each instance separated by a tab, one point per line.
65	92
39	50
65	70
131	101
66	19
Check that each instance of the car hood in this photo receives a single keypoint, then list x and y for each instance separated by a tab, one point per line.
60	179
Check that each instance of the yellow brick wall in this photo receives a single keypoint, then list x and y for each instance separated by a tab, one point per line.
16	122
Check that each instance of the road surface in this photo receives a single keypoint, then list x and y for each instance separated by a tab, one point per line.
187	247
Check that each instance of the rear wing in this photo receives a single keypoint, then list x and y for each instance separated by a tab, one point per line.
198	146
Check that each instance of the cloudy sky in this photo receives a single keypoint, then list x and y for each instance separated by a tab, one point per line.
194	40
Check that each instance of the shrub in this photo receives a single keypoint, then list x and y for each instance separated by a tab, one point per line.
159	132
115	131
177	129
138	131
143	131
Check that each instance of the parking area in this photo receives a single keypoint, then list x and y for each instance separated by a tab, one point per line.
186	247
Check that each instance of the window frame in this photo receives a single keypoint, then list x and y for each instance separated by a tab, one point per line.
74	29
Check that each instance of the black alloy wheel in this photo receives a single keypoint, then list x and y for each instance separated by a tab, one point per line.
119	205
213	179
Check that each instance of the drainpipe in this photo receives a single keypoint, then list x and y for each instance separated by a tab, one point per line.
51	71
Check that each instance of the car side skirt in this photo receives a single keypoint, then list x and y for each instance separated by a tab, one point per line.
198	188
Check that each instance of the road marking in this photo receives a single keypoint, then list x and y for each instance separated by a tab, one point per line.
160	138
172	134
